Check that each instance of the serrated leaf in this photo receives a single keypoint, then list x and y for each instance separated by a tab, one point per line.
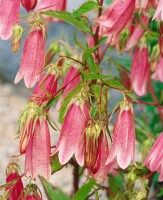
66	101
53	193
85	7
115	83
88	52
55	164
78	22
91	76
82	193
92	66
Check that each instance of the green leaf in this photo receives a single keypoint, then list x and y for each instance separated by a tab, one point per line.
88	52
91	76
84	8
53	193
92	66
78	22
55	164
65	103
82	193
116	84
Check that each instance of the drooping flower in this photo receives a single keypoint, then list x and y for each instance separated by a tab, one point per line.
29	4
9	16
32	61
140	71
95	149
123	141
159	11
47	85
137	33
15	190
72	129
154	159
115	18
32	192
71	80
38	150
158	73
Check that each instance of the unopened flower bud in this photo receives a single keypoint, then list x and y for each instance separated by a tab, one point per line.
29	4
16	186
32	192
124	36
154	57
17	33
161	39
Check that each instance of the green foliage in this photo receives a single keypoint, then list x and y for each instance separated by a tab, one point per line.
115	83
66	102
53	193
93	76
85	7
78	22
55	164
82	193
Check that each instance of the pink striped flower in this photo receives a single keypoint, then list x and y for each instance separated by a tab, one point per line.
32	61
73	127
37	155
159	11
115	17
71	133
123	141
137	33
32	192
71	80
154	159
15	189
29	4
95	148
140	71
158	73
9	16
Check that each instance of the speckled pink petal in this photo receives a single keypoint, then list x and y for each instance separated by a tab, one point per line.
71	134
123	145
37	158
158	73
137	33
9	15
140	71
116	16
32	61
154	159
159	11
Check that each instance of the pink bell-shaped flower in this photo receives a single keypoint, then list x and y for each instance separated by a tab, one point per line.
32	61
159	11
95	150
9	16
115	18
38	150
140	71
123	141
154	159
158	73
15	189
137	33
72	129
29	4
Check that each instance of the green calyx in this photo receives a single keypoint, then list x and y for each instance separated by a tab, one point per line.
12	168
31	112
